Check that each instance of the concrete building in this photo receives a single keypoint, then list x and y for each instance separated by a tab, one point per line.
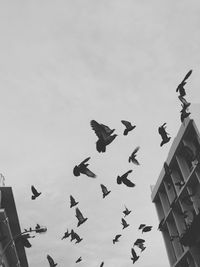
176	195
11	253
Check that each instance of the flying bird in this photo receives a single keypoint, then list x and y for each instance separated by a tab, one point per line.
184	113
82	168
35	193
80	217
164	134
66	234
78	260
72	235
24	240
128	125
126	212
77	237
124	223
104	134
132	158
104	190
146	229
51	261
140	245
72	202
134	257
123	179
116	239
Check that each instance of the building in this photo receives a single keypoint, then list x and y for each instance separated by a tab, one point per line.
176	195
11	253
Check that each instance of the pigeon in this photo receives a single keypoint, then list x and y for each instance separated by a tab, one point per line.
126	212
116	239
35	193
104	133
102	264
124	223
78	260
77	237
164	134
123	179
66	234
180	87
72	235
80	217
128	125
184	113
51	261
146	229
135	257
104	190
141	226
82	168
141	246
133	156
72	202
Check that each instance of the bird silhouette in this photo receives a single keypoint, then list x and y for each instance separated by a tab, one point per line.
82	168
123	179
78	260
66	234
116	239
104	190
24	240
102	264
146	229
72	202
128	125
51	261
77	237
164	134
72	235
134	257
140	244
126	212
104	133
124	223
80	217
132	158
184	113
35	193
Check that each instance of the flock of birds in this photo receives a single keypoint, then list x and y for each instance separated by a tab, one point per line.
106	137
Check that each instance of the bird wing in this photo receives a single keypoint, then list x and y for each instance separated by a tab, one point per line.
84	161
124	222
34	191
107	129
72	200
50	260
102	264
133	253
135	161
89	173
127	124
99	130
126	174
135	151
104	189
117	236
79	215
128	182
187	76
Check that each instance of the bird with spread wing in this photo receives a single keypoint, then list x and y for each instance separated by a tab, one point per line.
104	190
51	261
80	217
123	179
128	125
83	168
35	193
132	158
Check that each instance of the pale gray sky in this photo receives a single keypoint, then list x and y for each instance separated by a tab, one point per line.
63	63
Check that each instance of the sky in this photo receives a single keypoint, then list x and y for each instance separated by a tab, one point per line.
65	63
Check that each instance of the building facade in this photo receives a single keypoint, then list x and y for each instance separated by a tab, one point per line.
176	196
12	252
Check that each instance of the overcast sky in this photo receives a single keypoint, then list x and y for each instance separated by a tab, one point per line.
64	63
